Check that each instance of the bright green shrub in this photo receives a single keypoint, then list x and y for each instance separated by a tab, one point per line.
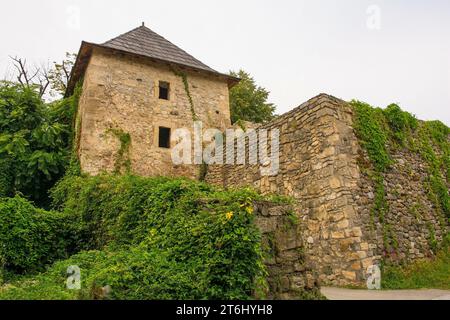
133	273
6	178
401	123
196	226
30	238
153	238
35	140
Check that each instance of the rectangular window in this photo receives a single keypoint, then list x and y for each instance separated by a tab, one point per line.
164	88
164	137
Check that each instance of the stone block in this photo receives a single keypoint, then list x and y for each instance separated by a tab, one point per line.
337	235
349	275
343	224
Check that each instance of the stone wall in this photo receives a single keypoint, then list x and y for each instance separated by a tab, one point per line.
412	225
121	92
320	167
290	275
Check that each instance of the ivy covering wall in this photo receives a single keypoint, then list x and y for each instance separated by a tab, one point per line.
382	132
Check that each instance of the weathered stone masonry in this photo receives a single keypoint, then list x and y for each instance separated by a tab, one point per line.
290	274
413	222
319	168
318	153
121	92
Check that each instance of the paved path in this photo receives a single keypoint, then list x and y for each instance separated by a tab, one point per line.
355	294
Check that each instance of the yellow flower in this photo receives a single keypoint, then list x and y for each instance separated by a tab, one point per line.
249	210
229	215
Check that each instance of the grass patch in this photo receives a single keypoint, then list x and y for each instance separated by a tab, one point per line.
429	274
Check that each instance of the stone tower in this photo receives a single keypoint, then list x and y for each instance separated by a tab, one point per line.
136	90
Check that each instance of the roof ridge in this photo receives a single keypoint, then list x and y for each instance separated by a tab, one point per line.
145	41
160	36
123	34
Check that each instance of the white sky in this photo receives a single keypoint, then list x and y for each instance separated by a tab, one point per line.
296	49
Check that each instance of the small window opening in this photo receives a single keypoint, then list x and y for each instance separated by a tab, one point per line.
164	88
164	137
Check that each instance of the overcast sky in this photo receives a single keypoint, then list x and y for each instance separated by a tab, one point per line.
376	51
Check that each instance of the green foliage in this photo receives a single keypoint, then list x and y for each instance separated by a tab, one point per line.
434	146
31	238
123	154
185	81
34	140
6	178
432	274
370	127
155	238
133	273
379	131
248	102
434	245
60	73
74	166
401	123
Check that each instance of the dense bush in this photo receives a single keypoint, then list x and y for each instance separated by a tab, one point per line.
135	273
30	238
197	225
155	238
6	178
35	140
400	122
248	101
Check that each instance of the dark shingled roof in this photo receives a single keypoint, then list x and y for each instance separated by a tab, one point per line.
145	42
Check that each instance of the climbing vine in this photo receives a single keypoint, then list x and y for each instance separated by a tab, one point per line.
381	130
370	127
185	81
123	154
76	121
432	137
203	167
74	164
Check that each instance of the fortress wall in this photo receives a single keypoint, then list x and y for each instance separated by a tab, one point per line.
413	225
322	168
318	168
290	275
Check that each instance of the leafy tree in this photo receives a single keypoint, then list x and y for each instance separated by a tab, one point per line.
34	141
248	102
